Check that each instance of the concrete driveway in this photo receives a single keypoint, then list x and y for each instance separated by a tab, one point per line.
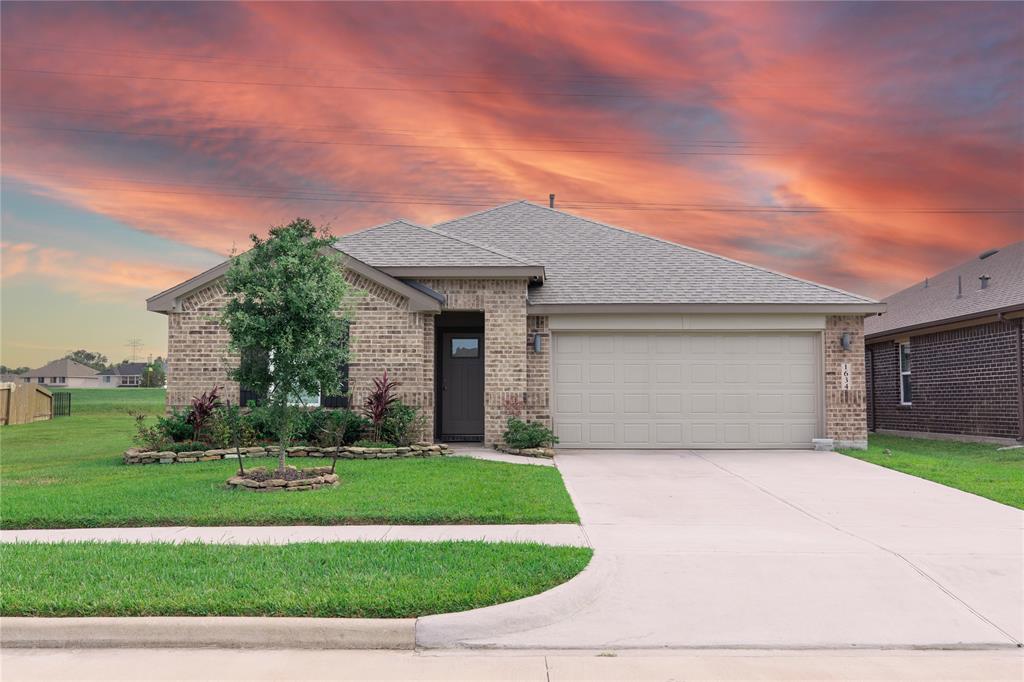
766	549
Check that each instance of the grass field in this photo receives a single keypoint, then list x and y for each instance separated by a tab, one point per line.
978	468
68	473
365	579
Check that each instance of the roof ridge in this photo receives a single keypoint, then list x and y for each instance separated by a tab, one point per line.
481	212
404	221
954	268
485	247
865	299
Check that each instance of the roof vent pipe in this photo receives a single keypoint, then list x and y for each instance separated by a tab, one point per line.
984	281
986	254
925	282
959	286
551	201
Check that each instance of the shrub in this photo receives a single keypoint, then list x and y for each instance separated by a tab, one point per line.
202	408
341	427
225	423
186	446
262	420
522	435
402	424
378	403
175	426
147	437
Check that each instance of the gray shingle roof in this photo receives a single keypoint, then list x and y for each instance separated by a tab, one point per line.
62	368
586	262
126	369
921	305
403	244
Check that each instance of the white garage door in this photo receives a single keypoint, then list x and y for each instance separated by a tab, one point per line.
754	390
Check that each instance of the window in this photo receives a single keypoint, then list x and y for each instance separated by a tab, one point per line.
465	348
106	378
905	393
40	381
63	380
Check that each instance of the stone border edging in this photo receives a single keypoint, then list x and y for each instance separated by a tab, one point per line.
136	456
526	452
324	477
234	632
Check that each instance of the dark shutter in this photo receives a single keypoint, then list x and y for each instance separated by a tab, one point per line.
247	395
341	399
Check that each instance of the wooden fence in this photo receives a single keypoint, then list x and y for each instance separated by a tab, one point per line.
24	403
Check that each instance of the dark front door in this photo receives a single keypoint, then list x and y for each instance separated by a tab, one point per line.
462	386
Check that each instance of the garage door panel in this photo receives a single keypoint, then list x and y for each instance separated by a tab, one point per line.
672	390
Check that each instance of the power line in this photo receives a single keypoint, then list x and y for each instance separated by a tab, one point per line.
328	86
545	76
395	145
242	191
256	123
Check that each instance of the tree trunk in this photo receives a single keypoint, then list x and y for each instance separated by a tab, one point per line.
282	434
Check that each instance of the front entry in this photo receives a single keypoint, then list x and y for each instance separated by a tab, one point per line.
461	385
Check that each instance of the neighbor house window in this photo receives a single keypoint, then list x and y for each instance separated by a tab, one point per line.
465	348
106	379
905	393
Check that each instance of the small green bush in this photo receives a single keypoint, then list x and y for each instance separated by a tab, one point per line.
186	446
175	426
341	427
523	435
372	444
402	424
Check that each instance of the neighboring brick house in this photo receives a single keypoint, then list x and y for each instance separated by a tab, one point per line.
616	339
945	357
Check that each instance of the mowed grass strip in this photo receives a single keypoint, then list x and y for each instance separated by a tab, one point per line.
338	579
67	473
979	468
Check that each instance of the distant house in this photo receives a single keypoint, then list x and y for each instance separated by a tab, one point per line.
63	373
125	374
8	377
946	355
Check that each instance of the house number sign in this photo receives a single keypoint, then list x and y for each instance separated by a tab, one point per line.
844	376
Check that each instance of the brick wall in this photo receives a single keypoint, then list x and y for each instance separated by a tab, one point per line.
845	410
963	381
197	354
384	334
503	302
538	371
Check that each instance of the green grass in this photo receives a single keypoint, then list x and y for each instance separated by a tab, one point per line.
339	579
978	468
68	473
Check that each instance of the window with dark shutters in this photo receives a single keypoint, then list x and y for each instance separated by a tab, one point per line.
341	398
250	359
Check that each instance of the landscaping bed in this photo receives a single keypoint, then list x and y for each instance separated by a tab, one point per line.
136	456
63	474
326	580
979	468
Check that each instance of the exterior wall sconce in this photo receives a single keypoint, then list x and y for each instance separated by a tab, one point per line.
846	341
536	343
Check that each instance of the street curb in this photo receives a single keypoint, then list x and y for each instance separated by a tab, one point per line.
219	631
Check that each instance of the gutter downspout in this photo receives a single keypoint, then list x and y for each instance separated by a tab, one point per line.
871	390
1020	378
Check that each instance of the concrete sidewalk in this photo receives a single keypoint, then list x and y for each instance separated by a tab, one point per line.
548	534
546	666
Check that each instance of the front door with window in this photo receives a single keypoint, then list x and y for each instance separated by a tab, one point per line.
462	386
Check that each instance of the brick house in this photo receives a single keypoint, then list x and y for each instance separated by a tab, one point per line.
616	339
945	357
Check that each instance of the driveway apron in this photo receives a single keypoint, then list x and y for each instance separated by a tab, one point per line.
775	549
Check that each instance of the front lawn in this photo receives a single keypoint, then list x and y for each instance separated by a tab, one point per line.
978	468
68	473
330	580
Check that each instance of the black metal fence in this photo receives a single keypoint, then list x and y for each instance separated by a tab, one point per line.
61	404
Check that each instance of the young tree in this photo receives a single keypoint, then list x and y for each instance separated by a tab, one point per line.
286	306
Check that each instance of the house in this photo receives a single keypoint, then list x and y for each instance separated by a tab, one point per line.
614	338
63	373
945	357
125	374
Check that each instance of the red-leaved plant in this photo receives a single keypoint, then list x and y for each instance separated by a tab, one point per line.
201	410
380	400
